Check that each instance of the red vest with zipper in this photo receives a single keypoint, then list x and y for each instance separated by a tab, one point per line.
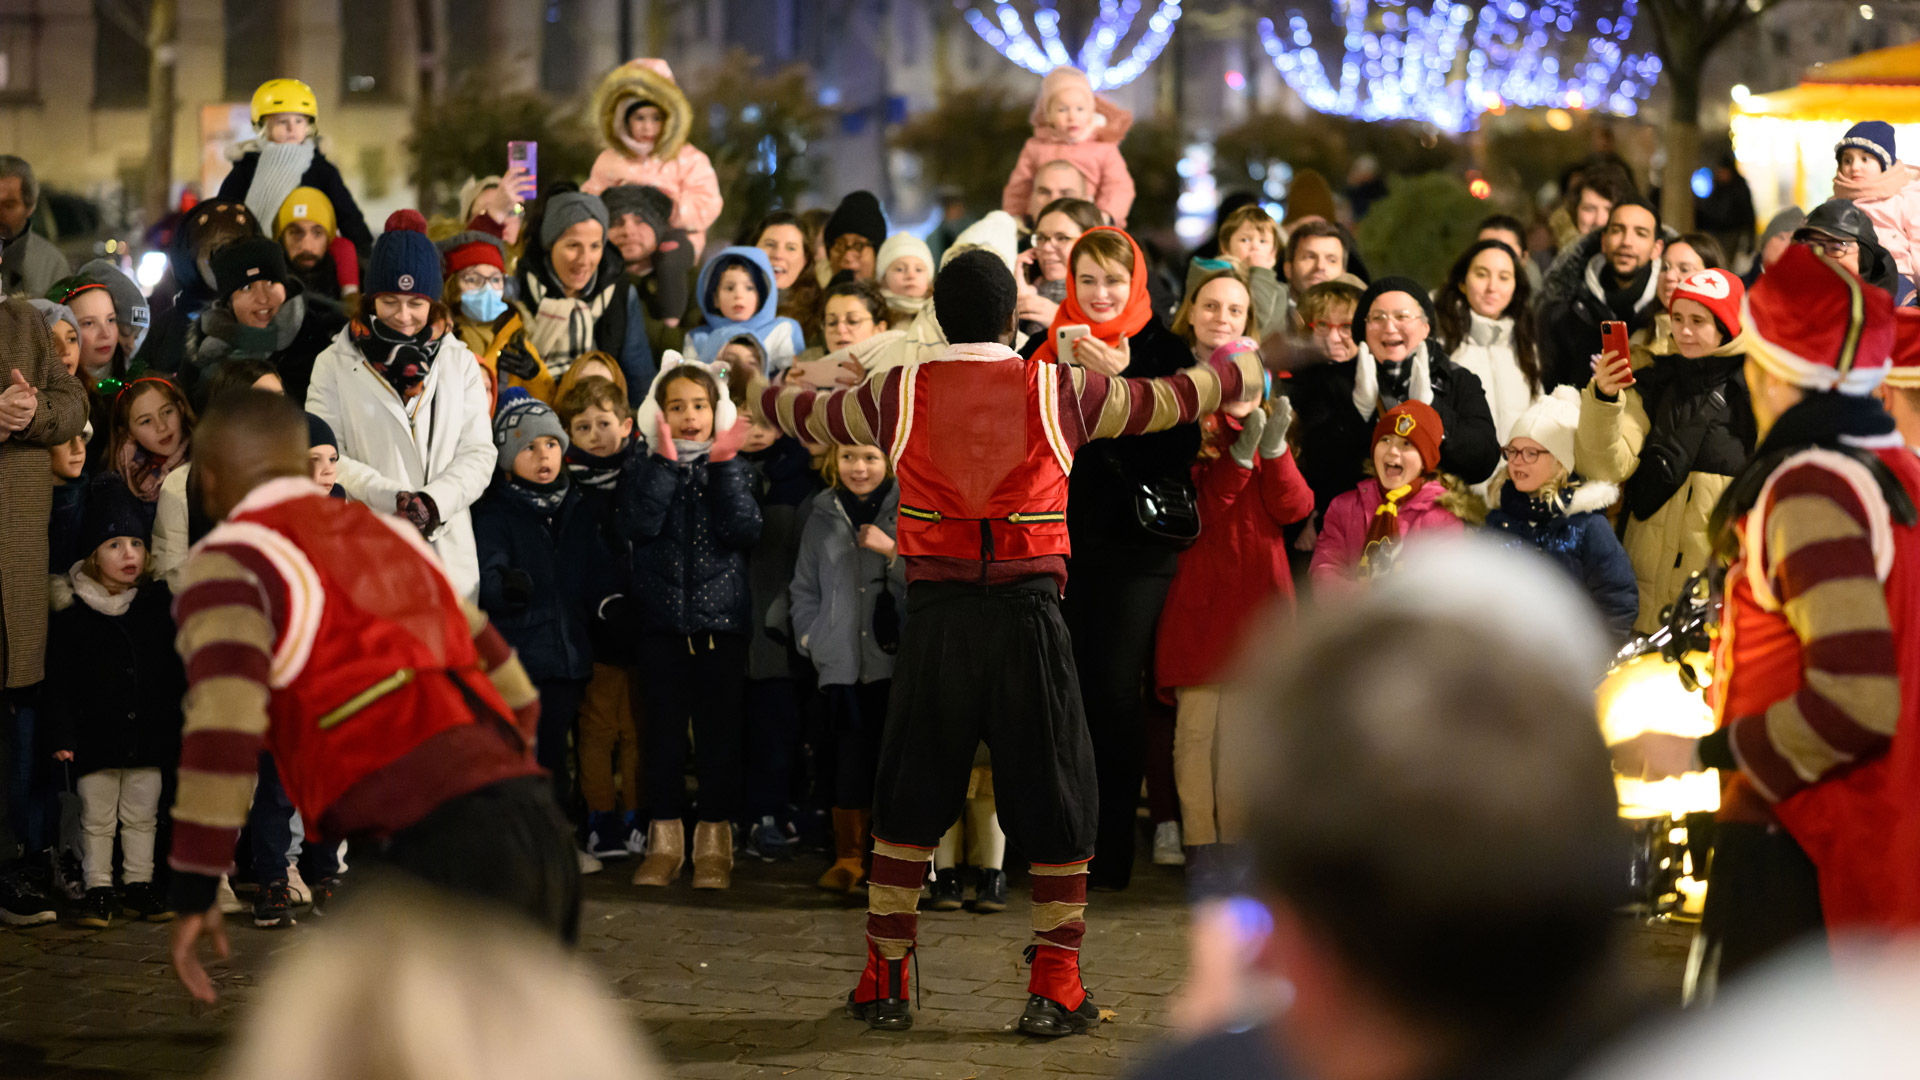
1860	826
373	656
981	461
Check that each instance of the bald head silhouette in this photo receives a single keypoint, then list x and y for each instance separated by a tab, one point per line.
246	438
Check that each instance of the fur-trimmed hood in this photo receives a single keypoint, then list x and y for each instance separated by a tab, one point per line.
648	79
1580	496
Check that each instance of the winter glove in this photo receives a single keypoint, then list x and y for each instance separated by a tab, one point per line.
663	447
346	265
515	360
1243	447
886	623
1273	440
417	507
517	587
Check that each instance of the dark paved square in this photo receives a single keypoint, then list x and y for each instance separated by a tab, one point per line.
745	983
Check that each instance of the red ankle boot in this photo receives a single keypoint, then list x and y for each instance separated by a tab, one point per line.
882	995
1057	1001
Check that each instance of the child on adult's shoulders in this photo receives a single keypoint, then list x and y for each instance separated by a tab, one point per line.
1887	190
1073	124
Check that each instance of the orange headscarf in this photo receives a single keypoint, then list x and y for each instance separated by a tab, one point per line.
1132	317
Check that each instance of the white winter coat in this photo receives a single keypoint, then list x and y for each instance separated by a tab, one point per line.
446	450
1488	353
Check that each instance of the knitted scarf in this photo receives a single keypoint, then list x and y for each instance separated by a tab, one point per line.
400	359
278	173
1133	316
145	471
1383	532
562	326
218	336
543	499
596	471
1884	185
94	594
911	304
1378	386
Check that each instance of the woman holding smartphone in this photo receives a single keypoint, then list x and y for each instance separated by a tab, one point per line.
1044	263
1120	569
1672	433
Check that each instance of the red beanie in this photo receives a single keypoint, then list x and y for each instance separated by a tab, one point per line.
475	253
1717	291
1417	423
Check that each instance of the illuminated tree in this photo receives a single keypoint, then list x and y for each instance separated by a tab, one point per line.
1042	50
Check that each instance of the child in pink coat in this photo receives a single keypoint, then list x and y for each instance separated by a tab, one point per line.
1886	188
1365	528
645	121
1072	124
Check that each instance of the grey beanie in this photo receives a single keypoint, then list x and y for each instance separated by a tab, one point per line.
55	313
129	304
1787	221
567	209
520	422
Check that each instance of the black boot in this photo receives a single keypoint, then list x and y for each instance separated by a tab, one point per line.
990	894
945	894
1056	977
882	997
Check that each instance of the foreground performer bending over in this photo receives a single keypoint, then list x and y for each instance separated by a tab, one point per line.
982	442
399	718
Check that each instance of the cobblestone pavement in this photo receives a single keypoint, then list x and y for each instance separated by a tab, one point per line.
742	984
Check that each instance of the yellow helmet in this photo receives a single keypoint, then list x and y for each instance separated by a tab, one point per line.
284	95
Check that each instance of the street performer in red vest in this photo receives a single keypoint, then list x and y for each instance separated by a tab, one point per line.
982	442
1817	666
399	719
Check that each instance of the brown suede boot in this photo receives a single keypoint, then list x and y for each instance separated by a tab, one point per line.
712	855
850	848
666	853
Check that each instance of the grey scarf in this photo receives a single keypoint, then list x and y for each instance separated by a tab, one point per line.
279	172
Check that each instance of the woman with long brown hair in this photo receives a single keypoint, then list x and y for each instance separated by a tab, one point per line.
1485	326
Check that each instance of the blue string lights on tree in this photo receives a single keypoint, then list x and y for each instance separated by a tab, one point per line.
1010	38
1449	63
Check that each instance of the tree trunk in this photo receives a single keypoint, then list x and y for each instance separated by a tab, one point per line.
1682	143
156	200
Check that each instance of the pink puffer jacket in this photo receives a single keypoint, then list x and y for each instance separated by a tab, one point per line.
1892	200
687	176
1343	533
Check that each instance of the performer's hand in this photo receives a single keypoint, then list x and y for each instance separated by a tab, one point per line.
1655	755
875	538
188	929
663	441
728	443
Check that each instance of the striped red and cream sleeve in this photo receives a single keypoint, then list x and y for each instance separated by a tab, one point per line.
504	670
231	602
864	415
1105	407
1820	561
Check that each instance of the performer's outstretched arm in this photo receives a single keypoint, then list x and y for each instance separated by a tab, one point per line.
1095	406
864	415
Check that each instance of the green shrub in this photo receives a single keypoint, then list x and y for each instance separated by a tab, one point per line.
1423	224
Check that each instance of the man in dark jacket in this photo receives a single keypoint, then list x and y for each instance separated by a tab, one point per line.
262	313
1612	277
659	257
207	227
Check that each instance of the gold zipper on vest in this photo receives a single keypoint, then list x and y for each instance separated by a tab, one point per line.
367	697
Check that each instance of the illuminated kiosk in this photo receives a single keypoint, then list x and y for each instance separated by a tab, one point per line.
1784	141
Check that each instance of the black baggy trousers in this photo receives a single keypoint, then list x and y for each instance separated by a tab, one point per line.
505	845
988	663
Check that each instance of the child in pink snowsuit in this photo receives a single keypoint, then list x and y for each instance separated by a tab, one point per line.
1072	124
645	120
1886	188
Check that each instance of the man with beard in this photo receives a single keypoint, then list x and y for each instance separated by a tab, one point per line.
307	231
659	257
1614	276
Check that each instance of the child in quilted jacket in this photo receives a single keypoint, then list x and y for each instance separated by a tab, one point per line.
1888	189
645	121
1072	124
1365	528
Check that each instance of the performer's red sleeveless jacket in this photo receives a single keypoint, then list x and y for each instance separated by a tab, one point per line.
981	460
376	656
1860	827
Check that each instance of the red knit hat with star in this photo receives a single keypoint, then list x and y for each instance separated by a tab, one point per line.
1416	422
1905	373
1813	323
1717	291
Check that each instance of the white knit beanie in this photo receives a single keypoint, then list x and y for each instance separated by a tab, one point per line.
1551	421
903	243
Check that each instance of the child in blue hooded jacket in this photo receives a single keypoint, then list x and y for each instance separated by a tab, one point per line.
738	296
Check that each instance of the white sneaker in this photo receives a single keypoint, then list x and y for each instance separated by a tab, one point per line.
1166	845
589	864
229	903
297	891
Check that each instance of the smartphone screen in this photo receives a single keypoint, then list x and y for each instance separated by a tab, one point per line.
525	155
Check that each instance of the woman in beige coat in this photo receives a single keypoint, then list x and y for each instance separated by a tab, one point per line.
1672	434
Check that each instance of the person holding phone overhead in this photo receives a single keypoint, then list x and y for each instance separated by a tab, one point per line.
1672	434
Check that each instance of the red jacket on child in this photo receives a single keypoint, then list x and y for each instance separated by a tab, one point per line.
1237	568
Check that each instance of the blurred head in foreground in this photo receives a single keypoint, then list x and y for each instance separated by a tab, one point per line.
1434	826
411	987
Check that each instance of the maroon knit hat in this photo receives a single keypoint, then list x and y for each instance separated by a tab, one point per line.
1416	422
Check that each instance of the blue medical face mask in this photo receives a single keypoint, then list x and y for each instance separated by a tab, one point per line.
483	305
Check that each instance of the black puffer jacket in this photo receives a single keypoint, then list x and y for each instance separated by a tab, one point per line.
114	682
691	525
300	331
542	581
